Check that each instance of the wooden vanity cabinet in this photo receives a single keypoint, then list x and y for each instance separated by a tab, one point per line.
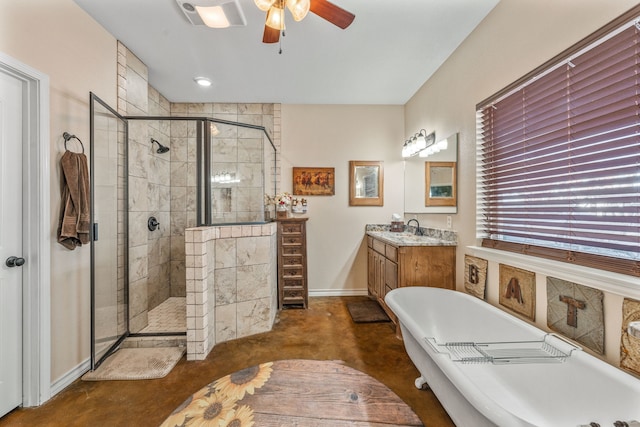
292	263
391	266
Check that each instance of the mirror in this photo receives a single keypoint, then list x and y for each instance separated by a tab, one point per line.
415	180
440	183
366	183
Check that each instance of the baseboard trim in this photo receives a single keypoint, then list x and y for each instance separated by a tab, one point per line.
338	292
67	379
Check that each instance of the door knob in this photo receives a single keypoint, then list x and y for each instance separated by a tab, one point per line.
13	261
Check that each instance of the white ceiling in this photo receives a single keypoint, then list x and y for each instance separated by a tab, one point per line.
391	48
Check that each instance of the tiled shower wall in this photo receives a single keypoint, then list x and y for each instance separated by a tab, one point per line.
239	147
164	185
231	284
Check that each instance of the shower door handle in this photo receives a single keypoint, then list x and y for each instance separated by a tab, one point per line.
94	232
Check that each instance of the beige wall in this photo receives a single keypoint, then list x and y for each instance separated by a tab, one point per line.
516	37
79	56
330	136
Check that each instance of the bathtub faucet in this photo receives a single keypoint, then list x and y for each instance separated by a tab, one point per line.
418	229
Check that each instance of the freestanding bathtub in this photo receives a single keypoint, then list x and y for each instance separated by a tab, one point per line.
567	391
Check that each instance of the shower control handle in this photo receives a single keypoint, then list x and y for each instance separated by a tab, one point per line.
152	223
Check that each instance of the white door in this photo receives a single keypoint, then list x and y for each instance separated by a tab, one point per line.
11	107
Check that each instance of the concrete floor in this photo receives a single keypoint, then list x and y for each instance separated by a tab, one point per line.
324	331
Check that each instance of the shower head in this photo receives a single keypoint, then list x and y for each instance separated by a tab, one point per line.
161	148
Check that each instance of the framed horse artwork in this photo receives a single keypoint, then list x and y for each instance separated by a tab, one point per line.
314	181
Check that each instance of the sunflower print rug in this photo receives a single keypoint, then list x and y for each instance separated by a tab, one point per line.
294	393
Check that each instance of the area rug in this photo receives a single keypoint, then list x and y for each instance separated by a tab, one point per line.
306	393
367	312
137	364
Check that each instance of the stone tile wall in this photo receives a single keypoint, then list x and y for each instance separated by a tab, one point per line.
231	284
240	151
164	185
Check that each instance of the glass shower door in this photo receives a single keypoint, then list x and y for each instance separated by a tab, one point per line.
109	257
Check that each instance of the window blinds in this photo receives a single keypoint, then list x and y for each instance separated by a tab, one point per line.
559	159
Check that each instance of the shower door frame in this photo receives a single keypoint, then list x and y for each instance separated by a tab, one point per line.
203	207
94	230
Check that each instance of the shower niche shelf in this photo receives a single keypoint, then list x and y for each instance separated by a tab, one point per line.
508	352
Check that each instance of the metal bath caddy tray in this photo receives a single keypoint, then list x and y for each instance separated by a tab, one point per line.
541	351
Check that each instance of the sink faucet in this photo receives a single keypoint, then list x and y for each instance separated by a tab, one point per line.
418	230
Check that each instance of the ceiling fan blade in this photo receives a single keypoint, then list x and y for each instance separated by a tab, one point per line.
270	35
332	13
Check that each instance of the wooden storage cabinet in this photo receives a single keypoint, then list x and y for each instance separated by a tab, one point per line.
292	263
391	266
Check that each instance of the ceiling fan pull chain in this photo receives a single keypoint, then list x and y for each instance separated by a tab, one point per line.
280	41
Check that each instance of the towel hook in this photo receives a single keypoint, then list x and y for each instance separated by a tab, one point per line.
67	136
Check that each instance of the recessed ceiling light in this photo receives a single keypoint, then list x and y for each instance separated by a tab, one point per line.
203	81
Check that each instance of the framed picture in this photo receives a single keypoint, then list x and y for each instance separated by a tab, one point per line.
475	275
366	183
518	290
440	184
314	181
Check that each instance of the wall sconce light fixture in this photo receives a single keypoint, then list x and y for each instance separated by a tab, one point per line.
417	143
434	148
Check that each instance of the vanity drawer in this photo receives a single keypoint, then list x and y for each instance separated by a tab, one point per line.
291	228
391	252
378	246
293	292
289	260
292	239
293	283
292	250
292	271
293	297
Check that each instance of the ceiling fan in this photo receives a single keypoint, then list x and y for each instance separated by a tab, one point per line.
274	23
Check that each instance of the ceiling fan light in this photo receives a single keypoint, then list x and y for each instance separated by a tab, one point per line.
213	16
264	5
275	18
298	8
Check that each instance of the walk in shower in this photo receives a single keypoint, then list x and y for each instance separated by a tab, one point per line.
153	177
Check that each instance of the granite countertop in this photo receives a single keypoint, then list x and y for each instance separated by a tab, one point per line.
409	238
